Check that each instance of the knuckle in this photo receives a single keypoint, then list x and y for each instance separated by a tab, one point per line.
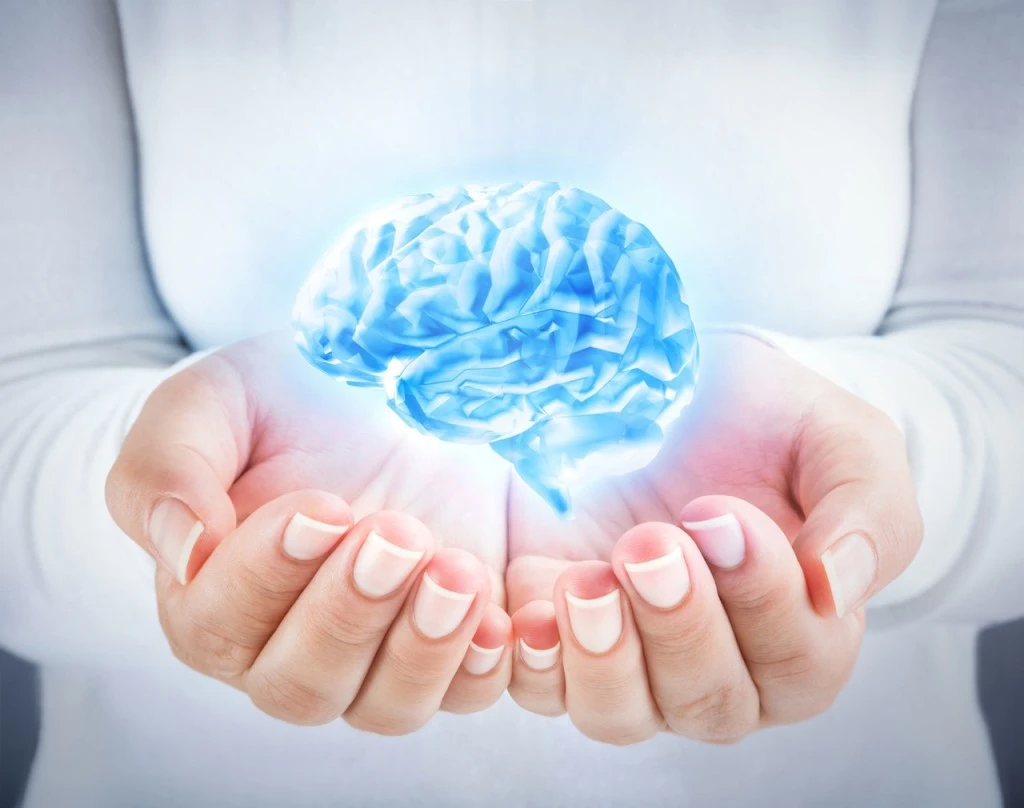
177	632
672	651
341	631
797	669
674	646
810	667
131	480
723	714
208	647
140	469
758	597
802	684
258	595
181	652
203	639
414	673
166	476
901	535
281	695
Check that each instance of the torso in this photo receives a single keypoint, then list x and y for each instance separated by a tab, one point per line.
764	144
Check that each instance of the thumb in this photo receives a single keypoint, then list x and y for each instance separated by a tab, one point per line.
167	490
863	525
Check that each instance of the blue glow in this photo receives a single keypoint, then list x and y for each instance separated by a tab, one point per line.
534	318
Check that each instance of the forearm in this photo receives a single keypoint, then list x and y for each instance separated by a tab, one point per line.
947	363
83	336
72	586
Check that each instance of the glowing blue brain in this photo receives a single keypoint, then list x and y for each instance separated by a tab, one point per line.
531	317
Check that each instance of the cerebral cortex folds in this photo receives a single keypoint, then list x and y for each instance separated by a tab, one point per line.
534	318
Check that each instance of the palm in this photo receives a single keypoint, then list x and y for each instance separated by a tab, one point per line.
736	439
309	431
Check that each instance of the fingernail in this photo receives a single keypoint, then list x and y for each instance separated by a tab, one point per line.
597	623
306	539
662	582
479	660
850	566
381	567
539	659
439	611
720	540
174	531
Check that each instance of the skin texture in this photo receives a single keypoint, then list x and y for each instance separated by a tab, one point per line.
800	464
249	436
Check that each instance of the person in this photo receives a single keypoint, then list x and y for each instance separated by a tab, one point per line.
840	188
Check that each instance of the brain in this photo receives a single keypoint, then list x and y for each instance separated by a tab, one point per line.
533	318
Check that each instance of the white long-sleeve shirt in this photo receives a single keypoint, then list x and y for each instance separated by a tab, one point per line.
847	175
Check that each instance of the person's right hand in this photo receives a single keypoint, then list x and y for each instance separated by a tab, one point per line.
237	477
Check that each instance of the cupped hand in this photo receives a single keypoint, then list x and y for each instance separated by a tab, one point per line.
243	476
796	504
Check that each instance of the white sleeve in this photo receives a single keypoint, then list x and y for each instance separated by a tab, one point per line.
948	361
83	338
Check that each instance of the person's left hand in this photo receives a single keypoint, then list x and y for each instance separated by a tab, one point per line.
796	503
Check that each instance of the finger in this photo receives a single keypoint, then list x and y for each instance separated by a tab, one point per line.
168	487
798	659
697	674
606	690
863	524
532	577
422	653
312	667
497	588
538	681
486	668
219	623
